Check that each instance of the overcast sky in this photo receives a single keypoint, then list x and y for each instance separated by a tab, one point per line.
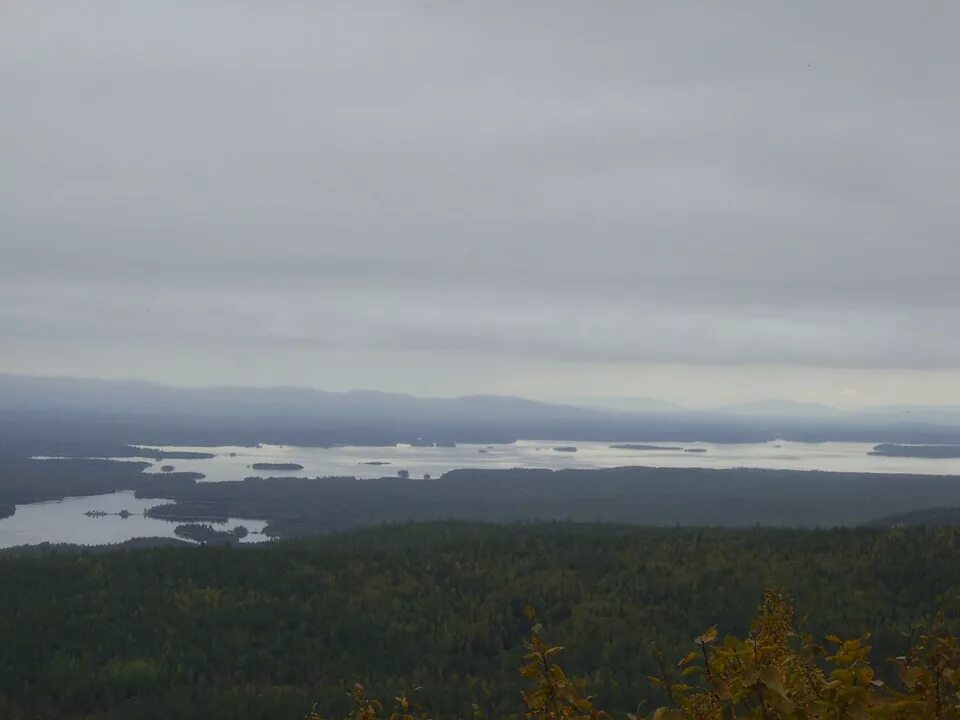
703	202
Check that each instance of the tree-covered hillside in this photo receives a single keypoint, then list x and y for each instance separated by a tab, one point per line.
266	632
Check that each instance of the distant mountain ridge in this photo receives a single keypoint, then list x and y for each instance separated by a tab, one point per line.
780	408
625	404
147	413
25	391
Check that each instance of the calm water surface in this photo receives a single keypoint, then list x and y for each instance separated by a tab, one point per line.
234	463
64	521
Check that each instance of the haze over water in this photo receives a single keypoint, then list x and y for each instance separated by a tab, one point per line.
235	463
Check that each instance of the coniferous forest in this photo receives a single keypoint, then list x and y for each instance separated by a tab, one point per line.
268	632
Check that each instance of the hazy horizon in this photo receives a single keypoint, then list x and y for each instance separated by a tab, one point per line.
624	403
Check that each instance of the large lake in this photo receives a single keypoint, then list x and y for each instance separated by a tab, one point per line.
64	521
235	463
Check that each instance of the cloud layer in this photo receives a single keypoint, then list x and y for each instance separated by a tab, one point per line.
630	183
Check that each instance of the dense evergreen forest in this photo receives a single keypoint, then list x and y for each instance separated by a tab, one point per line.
266	632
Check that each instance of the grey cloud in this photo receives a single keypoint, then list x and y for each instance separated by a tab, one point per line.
582	183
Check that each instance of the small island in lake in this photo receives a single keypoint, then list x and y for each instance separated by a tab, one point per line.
207	534
917	451
167	468
375	462
157	454
695	450
565	448
632	446
277	466
103	513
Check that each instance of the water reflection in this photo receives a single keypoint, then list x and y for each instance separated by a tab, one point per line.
235	463
65	521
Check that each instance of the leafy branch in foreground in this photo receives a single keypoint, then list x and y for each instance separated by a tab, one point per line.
776	673
366	709
552	696
779	673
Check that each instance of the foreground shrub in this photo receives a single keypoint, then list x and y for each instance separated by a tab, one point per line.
777	672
